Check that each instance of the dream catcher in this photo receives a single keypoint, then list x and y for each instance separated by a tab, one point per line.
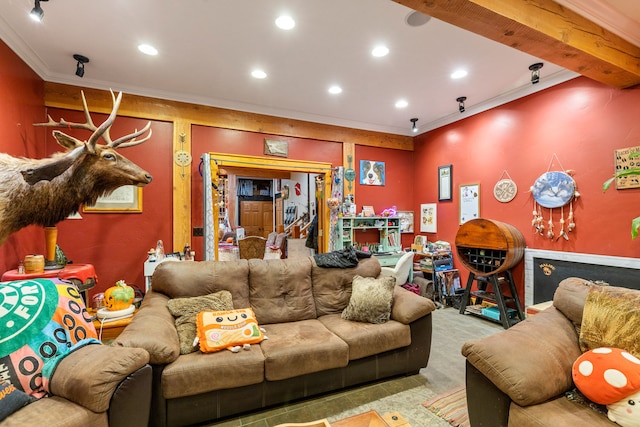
553	190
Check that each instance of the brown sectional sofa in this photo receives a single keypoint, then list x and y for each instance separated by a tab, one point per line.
310	349
519	377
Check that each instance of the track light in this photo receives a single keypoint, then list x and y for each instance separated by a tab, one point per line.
535	72
414	127
461	100
37	13
80	65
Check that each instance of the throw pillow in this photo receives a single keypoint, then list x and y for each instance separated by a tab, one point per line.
218	330
11	399
185	311
370	299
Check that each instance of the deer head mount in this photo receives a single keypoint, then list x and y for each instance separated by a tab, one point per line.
45	191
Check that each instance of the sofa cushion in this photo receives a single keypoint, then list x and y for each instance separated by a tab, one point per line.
197	372
186	309
370	299
280	290
219	330
551	345
56	411
299	348
366	339
558	412
191	279
570	296
332	286
408	307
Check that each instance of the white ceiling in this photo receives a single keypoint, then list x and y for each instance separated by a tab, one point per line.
208	48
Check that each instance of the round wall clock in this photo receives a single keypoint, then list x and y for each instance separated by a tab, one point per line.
553	189
505	190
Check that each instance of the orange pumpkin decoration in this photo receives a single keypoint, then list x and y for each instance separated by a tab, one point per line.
119	297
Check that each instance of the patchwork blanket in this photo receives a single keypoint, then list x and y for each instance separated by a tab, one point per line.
41	321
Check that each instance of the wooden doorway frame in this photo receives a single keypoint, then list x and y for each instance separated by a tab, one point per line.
220	160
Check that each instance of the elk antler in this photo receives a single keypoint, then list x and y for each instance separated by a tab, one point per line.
102	131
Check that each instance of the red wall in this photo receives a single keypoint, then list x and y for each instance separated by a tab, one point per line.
582	122
21	105
398	189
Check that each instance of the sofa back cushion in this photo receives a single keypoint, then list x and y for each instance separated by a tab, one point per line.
570	297
191	279
280	290
332	286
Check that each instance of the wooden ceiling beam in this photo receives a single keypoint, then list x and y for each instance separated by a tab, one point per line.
544	29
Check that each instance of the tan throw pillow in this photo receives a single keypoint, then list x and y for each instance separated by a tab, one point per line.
185	311
370	299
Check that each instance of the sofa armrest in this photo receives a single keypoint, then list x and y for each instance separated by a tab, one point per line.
531	361
408	307
131	403
90	375
153	329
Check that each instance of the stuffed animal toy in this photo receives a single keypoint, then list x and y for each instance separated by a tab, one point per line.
611	377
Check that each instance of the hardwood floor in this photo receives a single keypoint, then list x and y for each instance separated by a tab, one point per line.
404	395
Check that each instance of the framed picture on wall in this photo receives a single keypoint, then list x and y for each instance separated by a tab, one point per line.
125	199
406	221
428	218
469	202
372	172
444	182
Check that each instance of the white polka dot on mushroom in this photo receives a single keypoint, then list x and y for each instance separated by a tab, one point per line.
631	358
615	378
585	368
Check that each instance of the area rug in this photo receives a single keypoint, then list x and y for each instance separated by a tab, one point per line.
450	406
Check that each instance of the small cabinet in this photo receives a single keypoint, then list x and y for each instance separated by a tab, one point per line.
388	229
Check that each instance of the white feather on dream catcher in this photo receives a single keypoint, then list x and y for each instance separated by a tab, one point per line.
552	190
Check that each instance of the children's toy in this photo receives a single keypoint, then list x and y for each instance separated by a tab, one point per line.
611	377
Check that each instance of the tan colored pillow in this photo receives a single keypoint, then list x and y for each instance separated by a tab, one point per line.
370	300
185	311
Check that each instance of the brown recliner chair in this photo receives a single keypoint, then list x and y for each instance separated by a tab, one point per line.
252	247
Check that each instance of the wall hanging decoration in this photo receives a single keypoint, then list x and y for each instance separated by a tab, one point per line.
505	189
627	159
552	190
469	202
274	147
444	182
406	221
428	218
372	172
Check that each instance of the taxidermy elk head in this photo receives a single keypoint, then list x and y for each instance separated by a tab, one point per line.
46	191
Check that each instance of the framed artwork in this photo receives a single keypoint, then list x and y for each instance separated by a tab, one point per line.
125	199
274	147
428	218
627	158
444	182
372	172
406	221
469	202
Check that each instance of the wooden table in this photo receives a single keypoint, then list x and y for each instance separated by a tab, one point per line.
110	328
372	419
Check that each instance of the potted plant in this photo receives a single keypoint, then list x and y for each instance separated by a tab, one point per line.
635	223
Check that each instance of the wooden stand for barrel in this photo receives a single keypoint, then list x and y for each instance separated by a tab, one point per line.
489	250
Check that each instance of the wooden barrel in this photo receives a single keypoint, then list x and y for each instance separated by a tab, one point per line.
34	264
488	247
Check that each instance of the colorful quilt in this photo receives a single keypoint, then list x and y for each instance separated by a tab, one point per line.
41	321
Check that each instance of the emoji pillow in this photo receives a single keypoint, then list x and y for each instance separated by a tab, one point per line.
231	329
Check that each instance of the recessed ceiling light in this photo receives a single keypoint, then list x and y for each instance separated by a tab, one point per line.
148	49
458	74
259	74
417	19
285	22
335	89
402	104
380	51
